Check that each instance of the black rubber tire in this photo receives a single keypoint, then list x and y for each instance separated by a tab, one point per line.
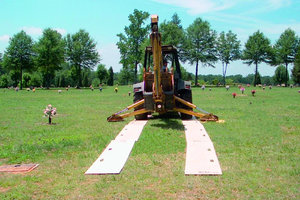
185	95
137	97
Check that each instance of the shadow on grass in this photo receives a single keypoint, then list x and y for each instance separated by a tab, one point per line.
168	121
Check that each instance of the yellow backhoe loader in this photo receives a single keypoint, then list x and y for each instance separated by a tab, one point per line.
162	90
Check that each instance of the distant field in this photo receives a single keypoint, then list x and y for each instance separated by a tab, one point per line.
258	146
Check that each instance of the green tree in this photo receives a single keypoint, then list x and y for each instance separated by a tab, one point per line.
50	54
280	75
36	79
26	79
228	50
81	52
4	81
2	70
19	55
126	75
296	69
102	73
257	49
172	33
286	48
129	44
200	45
258	79
85	81
110	80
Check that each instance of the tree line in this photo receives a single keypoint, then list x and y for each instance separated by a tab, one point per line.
57	61
199	44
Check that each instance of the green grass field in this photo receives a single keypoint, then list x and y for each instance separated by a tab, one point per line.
258	147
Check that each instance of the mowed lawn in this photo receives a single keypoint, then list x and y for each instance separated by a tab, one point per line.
258	146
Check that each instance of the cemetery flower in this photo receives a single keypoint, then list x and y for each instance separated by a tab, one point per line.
234	95
253	92
227	87
242	90
49	112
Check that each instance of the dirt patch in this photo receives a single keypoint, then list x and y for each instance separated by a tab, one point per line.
2	189
288	129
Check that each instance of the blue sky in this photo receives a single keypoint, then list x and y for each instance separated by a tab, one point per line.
104	19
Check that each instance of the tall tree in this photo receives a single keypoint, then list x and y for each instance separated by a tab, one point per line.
257	49
2	71
172	33
125	75
200	45
280	75
50	51
129	44
81	52
286	48
19	55
228	50
102	73
110	80
296	69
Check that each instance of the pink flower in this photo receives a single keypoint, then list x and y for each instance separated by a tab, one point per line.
242	90
49	106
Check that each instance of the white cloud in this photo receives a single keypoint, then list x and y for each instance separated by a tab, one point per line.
110	56
36	31
195	7
60	30
246	26
32	30
4	38
276	4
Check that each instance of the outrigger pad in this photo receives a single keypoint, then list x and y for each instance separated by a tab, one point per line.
115	155
112	159
201	158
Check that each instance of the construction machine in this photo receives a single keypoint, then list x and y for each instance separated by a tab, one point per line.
162	89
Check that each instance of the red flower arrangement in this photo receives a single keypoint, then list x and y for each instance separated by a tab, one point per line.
253	92
234	95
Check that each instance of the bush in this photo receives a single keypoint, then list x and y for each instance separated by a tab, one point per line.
5	81
229	81
96	82
36	80
26	79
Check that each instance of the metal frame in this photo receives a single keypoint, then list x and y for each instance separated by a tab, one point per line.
204	116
